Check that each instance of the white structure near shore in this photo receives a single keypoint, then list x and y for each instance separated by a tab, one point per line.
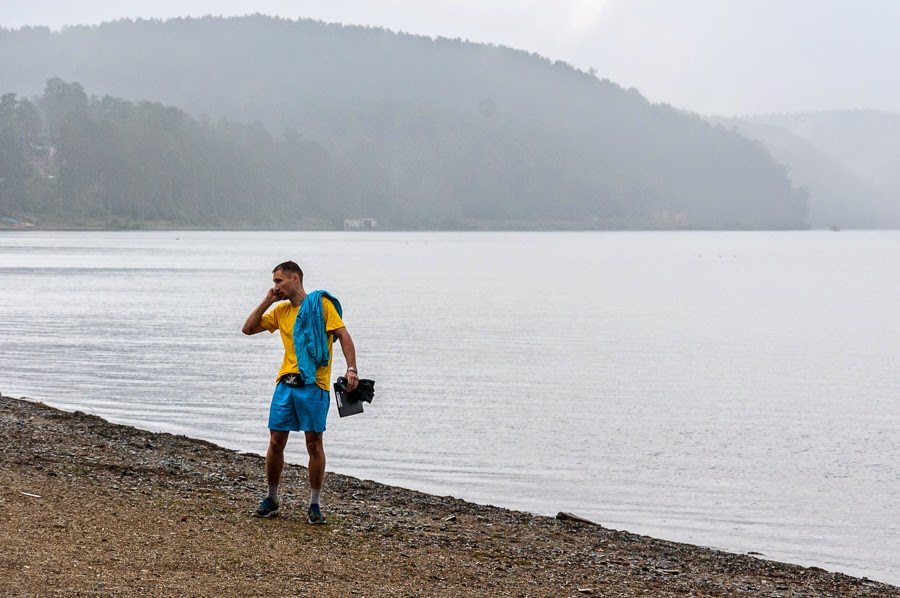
360	224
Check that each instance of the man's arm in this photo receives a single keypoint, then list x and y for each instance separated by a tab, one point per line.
349	351
253	324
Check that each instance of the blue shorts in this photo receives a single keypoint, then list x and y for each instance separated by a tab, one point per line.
296	408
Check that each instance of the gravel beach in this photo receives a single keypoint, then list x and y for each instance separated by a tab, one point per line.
90	508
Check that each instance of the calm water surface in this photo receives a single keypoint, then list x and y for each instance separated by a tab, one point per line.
734	390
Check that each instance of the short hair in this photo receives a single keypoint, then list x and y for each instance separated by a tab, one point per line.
289	267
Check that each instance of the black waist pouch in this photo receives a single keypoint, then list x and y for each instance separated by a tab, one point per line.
292	380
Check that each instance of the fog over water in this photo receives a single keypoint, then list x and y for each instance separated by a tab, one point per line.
734	390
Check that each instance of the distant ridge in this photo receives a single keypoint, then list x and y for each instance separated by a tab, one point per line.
846	158
423	133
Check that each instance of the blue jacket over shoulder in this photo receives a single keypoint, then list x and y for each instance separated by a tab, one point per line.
310	336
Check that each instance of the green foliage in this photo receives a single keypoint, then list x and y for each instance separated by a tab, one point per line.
110	162
413	131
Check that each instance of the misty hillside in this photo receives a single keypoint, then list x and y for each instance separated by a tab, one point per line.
422	133
867	141
74	161
837	195
857	154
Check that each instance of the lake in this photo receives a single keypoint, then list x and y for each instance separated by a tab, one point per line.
729	389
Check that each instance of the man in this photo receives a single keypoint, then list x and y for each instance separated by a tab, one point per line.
301	396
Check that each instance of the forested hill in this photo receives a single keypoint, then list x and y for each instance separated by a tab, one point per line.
415	132
70	160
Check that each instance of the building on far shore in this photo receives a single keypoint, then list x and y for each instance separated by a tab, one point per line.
360	224
14	224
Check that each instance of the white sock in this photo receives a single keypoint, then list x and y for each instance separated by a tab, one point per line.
314	496
273	492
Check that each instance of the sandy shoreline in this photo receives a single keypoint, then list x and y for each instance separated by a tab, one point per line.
89	508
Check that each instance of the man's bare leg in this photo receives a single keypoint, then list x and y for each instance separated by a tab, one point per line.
316	474
316	450
275	461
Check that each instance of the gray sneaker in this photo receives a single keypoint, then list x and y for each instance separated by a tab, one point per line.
314	515
267	508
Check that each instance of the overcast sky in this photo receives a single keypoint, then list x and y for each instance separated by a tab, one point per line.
713	56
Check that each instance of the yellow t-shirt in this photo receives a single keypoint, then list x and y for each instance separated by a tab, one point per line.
282	318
